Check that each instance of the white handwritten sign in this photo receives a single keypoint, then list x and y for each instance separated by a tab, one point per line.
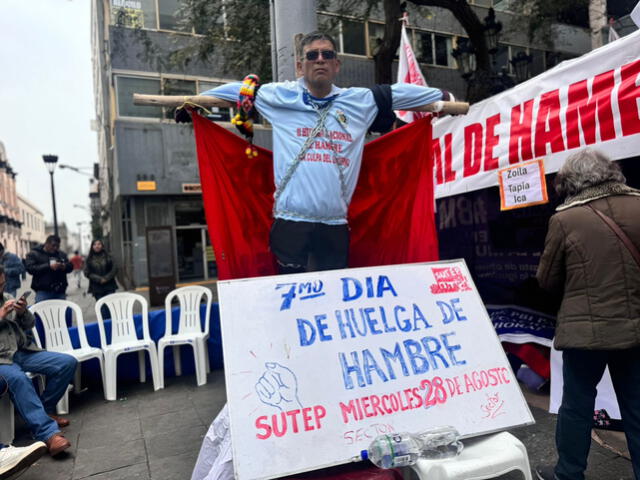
522	185
319	364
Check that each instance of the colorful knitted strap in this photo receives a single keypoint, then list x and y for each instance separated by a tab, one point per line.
247	113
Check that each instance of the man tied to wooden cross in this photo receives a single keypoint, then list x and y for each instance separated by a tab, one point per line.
318	137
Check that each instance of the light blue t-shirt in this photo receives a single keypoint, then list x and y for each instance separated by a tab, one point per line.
321	187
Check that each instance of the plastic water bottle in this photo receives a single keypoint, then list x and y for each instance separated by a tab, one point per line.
402	449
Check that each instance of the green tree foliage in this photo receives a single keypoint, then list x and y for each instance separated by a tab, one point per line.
238	30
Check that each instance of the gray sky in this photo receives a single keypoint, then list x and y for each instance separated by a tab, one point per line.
46	100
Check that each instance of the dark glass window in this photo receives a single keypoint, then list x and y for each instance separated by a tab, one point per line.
443	48
501	57
219	114
127	86
424	50
537	62
168	15
353	38
172	86
376	34
189	213
331	25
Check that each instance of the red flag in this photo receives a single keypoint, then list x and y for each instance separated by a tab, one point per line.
391	214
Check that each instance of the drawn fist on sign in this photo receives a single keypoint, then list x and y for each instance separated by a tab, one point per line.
278	387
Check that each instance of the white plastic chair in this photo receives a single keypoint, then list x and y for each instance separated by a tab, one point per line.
189	332
52	314
124	338
486	457
7	421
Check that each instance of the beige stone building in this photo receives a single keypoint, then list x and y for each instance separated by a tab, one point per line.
32	231
10	220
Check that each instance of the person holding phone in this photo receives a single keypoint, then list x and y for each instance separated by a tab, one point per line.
49	267
20	354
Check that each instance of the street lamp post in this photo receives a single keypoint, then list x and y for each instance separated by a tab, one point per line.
50	161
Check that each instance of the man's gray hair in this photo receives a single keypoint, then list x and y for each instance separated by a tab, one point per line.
315	36
586	168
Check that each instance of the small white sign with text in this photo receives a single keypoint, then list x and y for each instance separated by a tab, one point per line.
522	185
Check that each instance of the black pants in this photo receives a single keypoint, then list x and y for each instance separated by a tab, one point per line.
582	370
104	309
309	246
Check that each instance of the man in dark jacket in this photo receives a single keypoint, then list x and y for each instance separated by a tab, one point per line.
13	269
598	324
20	354
49	267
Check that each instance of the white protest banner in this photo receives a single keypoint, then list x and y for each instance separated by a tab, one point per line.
522	185
318	364
592	100
635	14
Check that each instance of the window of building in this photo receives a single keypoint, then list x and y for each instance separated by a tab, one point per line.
151	14
172	86
127	86
424	47
353	37
376	34
134	13
189	213
442	47
349	34
219	114
433	49
331	25
537	62
168	15
501	58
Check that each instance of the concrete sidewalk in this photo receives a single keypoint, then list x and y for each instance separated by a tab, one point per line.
148	435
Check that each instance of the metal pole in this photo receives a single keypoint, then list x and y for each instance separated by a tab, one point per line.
274	42
291	17
55	213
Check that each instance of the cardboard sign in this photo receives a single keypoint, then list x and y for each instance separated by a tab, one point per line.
522	185
318	364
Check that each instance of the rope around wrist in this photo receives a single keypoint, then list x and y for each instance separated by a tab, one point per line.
247	113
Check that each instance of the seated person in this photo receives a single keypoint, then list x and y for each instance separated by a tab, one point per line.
19	354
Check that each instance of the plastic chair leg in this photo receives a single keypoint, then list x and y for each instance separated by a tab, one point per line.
104	380
199	353
205	344
177	361
77	380
155	373
7	420
62	407
142	367
110	374
161	347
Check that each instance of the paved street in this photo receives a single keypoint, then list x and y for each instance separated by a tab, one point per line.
148	435
157	436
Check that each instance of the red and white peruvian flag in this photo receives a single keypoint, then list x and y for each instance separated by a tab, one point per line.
408	71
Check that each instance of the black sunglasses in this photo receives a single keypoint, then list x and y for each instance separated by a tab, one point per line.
312	55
